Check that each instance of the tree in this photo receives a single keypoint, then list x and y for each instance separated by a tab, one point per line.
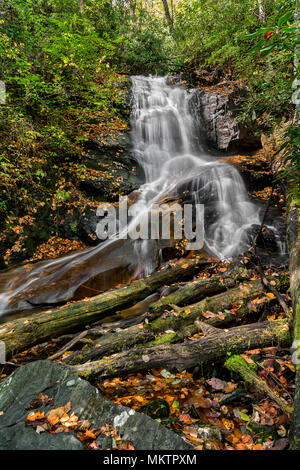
261	11
132	8
167	13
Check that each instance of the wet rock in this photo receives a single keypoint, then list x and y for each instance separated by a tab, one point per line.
255	170
59	383
236	396
115	169
267	238
79	223
217	113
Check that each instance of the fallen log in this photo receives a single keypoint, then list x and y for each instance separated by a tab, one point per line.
293	225
197	290
237	297
190	293
238	365
20	334
213	346
180	320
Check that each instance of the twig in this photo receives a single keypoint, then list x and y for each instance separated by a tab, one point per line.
274	291
68	345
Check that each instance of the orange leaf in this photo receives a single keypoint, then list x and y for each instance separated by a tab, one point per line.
268	35
185	418
89	435
53	420
36	416
270	295
258	447
247	359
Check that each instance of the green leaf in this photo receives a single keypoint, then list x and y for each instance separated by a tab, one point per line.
285	18
258	32
243	416
258	45
266	50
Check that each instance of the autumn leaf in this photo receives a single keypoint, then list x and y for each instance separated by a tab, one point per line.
185	418
35	416
268	35
270	295
53	420
126	445
89	435
217	384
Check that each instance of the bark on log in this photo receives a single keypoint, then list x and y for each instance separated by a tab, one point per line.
180	321
212	347
20	334
192	292
238	296
294	245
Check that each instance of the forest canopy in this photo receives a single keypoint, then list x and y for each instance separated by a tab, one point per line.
61	61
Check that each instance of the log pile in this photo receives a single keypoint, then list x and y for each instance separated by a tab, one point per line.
192	320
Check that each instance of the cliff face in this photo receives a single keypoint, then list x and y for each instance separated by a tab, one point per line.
216	115
217	110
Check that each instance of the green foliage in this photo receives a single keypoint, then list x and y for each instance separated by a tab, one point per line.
222	36
61	62
283	42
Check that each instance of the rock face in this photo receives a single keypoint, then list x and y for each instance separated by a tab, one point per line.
59	383
114	172
217	107
79	223
215	112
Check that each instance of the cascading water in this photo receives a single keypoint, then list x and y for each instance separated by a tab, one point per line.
165	144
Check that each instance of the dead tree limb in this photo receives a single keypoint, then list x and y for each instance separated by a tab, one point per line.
238	365
214	346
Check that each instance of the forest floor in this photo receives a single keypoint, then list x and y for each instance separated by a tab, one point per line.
209	405
240	417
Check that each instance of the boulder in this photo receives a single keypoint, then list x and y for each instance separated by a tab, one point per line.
59	383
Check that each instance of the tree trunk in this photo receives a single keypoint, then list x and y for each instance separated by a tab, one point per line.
214	346
181	322
167	13
197	290
294	245
235	299
20	334
261	11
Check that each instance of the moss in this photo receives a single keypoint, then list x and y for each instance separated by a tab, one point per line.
297	323
237	363
262	432
84	374
167	338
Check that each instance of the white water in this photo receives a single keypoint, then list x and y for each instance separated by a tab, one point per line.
165	145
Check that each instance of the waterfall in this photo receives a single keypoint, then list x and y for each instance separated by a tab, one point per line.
165	145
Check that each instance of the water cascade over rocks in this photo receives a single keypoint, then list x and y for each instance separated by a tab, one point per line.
165	145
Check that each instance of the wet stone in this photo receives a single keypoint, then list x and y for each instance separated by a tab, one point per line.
59	383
